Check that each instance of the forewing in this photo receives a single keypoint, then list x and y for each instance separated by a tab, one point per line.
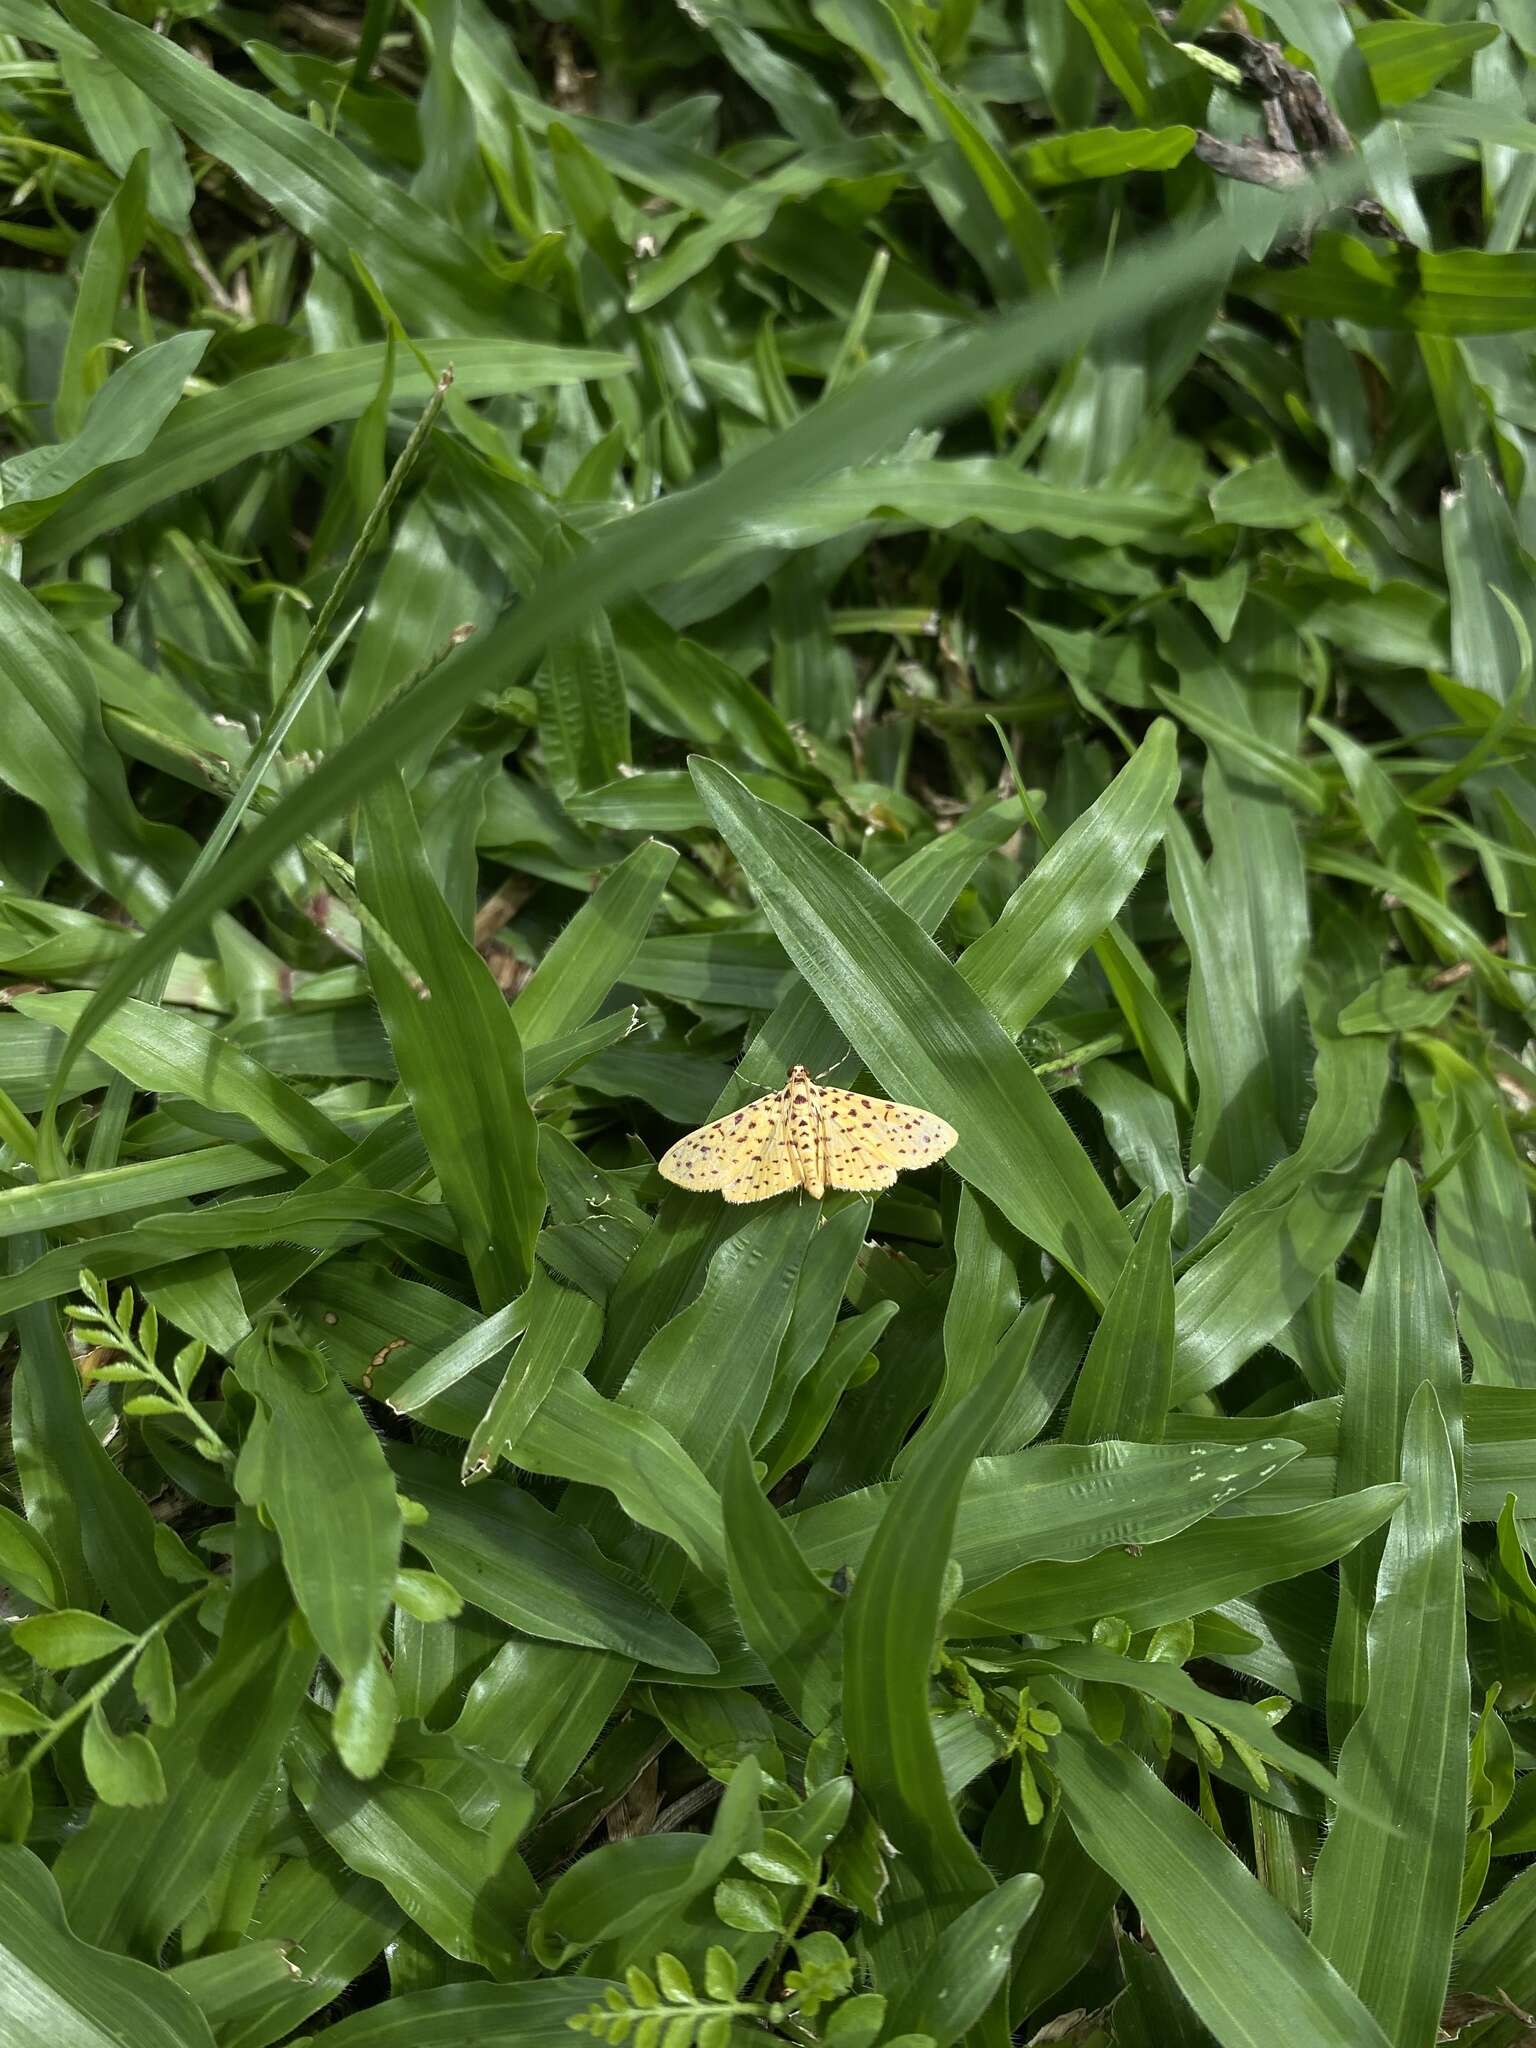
720	1154
892	1133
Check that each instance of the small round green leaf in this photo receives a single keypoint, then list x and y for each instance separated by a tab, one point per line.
750	1908
123	1769
19	1716
69	1637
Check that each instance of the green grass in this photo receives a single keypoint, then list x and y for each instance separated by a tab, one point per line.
558	563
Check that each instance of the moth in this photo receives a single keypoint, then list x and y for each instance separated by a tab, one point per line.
807	1137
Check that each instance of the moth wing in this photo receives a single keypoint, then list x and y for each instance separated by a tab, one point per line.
851	1163
771	1172
891	1132
720	1153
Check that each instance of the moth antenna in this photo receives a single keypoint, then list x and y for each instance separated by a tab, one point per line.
847	1053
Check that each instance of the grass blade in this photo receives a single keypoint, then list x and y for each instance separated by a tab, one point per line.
1235	1953
1386	1889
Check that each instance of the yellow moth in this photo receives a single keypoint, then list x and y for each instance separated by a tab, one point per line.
808	1137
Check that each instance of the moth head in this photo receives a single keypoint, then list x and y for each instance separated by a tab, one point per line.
799	1074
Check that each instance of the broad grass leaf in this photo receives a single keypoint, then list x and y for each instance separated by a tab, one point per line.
1176	1690
968	1965
166	1053
1259	1263
357	1307
748	212
1482	1214
318	1474
64	1993
54	751
508	1555
1056	1501
1406	58
1494	1956
579	1435
826	1273
806	111
1044	1345
1073	894
1387	1883
547	1064
1142	1126
270	409
1071	1920
1451	935
816	1398
1126	1379
1349	1081
437	576
1259	902
464	1354
983	1303
1248	752
788	1617
29	1058
868	1436
1202	1566
1238	1957
532	2015
144	1186
583	712
1104	153
120	422
1152	2012
226	1987
341	1919
453	1880
665	800
893	1617
732	969
459	1054
922	1030
597	947
625	1894
1464	292
562	1330
741	1314
94	1520
1246	1289
978	177
1404	1336
1485	563
1235	1131
706	697
800	570
1388	819
1398	1002
320	1219
943	493
121	122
